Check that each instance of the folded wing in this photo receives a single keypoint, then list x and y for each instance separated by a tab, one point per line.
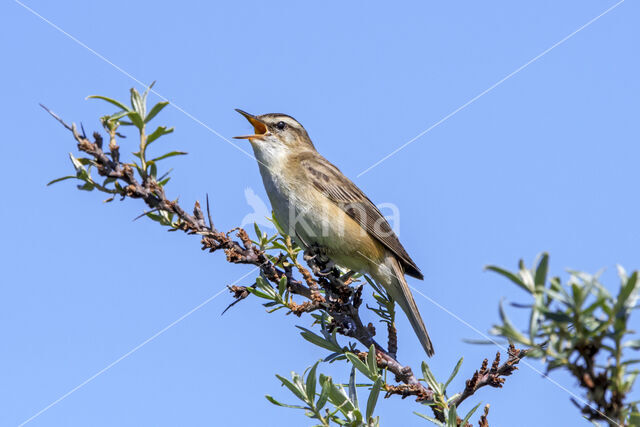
339	189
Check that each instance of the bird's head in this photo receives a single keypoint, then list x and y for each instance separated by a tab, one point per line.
276	132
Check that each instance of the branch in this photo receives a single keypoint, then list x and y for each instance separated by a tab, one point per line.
323	285
493	376
485	376
341	301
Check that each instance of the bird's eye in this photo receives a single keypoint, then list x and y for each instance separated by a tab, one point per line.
281	125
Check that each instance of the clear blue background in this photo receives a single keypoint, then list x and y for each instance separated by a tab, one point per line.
546	161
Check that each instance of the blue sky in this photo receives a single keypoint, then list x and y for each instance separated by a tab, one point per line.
546	161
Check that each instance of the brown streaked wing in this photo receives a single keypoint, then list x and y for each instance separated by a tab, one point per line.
339	189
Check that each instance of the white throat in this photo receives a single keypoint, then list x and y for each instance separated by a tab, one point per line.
270	153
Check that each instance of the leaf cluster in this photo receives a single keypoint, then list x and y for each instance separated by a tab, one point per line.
583	328
328	402
136	115
447	405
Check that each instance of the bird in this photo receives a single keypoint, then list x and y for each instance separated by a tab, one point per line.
318	206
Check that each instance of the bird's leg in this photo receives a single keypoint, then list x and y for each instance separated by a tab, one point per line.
328	268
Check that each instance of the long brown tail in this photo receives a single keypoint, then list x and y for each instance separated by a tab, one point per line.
399	290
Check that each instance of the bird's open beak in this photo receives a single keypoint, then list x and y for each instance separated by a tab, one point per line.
259	127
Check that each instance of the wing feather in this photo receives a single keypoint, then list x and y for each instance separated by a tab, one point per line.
344	193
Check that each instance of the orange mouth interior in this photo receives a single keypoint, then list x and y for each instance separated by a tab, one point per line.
259	127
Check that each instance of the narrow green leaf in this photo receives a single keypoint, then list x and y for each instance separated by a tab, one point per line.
452	399
112	101
426	417
295	390
324	394
76	163
578	295
622	273
469	414
87	186
153	169
160	131
136	119
146	93
527	279
509	275
118	116
372	360
265	288
560	296
136	102
478	342
628	294
311	382
61	179
634	344
85	162
556	316
251	290
171	154
360	365
509	330
452	417
353	393
535	316
453	373
278	245
431	379
339	398
333	356
155	110
277	225
275	402
541	270
282	285
317	340
263	284
373	398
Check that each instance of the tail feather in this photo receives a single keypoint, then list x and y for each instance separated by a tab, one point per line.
399	290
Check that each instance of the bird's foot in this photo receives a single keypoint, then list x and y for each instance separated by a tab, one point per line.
328	268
